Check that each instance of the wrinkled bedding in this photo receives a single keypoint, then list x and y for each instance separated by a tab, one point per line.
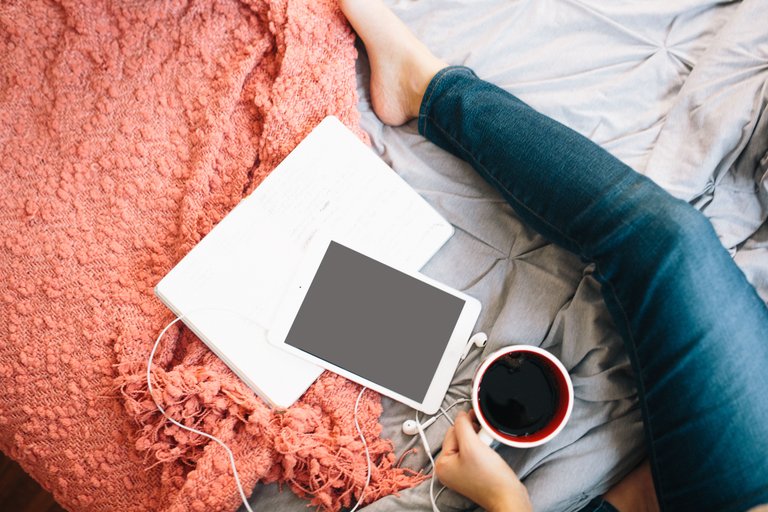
677	90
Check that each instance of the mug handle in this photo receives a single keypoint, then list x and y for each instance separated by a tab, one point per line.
487	439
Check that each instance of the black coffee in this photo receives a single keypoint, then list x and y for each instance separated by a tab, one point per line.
518	394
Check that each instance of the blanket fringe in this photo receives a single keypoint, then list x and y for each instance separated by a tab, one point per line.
319	456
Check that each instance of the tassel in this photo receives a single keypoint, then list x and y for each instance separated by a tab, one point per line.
318	453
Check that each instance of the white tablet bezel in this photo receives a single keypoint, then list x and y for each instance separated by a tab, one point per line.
449	361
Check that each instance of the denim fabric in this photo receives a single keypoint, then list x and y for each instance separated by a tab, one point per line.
695	329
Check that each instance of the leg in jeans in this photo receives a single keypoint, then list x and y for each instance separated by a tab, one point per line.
695	329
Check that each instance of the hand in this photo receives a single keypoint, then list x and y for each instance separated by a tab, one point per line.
470	467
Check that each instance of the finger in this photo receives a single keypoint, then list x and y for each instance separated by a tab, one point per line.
465	432
450	443
474	420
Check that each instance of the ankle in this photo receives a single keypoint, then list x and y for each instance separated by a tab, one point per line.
416	88
419	82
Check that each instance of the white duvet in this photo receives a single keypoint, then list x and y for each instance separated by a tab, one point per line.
677	90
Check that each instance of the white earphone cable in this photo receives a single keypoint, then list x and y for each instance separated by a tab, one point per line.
427	449
209	436
422	435
367	453
224	445
443	412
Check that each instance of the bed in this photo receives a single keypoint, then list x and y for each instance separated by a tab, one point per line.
677	90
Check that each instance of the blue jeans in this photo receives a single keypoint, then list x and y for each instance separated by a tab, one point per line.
695	329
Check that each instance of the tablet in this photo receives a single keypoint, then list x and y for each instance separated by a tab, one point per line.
397	332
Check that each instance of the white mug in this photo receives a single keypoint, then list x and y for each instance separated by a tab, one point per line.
560	380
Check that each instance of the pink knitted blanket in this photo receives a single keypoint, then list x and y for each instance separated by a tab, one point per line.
127	130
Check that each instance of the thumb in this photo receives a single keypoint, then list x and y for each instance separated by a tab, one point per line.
466	436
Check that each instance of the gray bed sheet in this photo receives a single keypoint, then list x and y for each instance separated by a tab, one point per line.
674	89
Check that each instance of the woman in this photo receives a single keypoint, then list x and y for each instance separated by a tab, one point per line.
695	329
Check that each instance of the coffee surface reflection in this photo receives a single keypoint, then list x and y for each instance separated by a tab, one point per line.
519	394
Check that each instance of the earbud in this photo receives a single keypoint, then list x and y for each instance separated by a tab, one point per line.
414	426
410	427
477	340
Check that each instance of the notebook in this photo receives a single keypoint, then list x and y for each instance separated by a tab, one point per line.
229	287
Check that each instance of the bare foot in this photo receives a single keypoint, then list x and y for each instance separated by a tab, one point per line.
635	492
401	66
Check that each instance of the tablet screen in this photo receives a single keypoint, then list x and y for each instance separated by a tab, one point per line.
374	321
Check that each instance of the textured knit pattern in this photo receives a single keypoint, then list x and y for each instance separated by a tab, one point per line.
127	131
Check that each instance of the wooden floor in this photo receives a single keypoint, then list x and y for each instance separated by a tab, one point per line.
20	493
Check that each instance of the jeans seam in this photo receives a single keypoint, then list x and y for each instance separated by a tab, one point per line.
424	116
640	384
503	187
